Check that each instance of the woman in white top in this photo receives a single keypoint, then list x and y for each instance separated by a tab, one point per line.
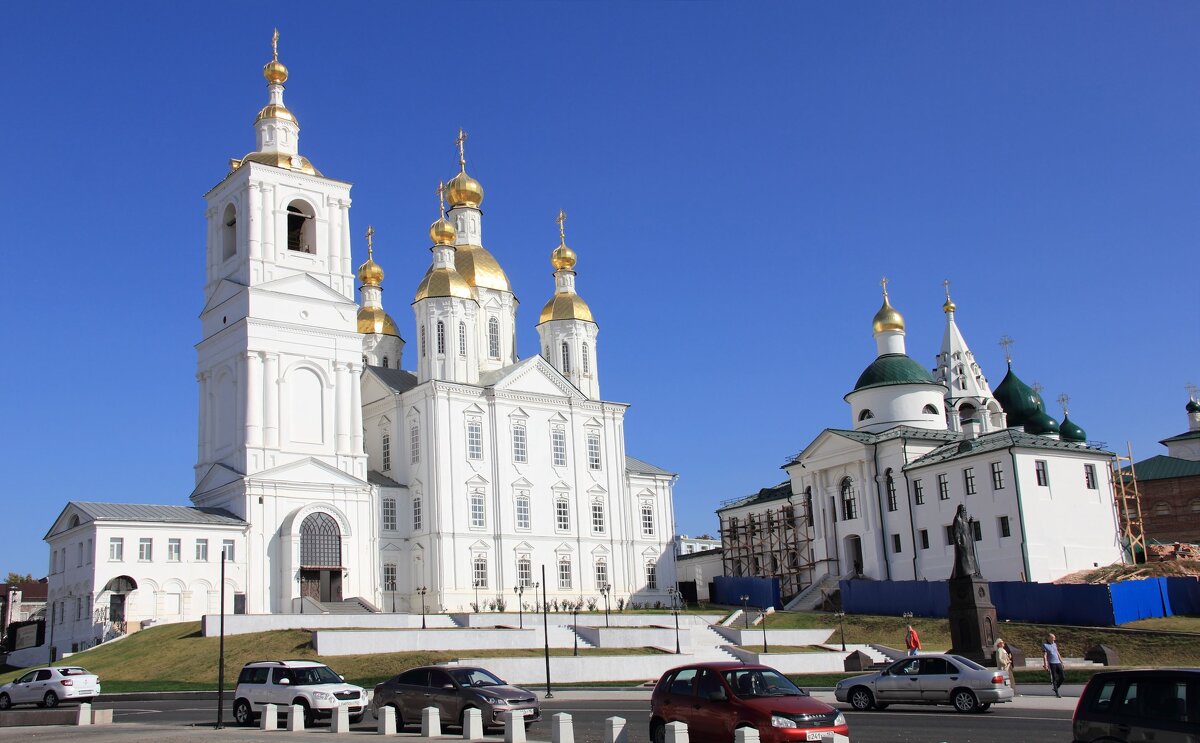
1004	663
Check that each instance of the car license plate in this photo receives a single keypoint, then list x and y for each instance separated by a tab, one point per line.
816	735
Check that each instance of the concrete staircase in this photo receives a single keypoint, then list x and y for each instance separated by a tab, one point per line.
709	645
812	597
353	605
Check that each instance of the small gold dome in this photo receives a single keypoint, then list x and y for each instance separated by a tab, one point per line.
887	318
370	273
566	306
562	258
442	282
298	163
276	111
275	72
442	232
463	190
373	320
949	306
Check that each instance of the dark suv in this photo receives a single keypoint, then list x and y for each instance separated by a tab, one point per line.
714	699
1162	705
453	690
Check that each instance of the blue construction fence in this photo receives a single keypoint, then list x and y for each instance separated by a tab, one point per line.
762	591
1043	603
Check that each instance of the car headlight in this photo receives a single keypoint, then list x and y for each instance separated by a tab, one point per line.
779	721
323	696
492	700
839	720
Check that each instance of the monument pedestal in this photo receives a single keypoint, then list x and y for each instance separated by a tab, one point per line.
972	619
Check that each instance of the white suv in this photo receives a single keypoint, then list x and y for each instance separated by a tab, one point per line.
313	686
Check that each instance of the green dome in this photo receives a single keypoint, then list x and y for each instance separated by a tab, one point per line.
1040	424
1193	406
893	368
1070	431
1018	399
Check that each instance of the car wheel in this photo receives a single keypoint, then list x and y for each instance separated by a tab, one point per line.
242	714
355	719
964	700
658	732
861	698
309	717
5	702
399	718
50	700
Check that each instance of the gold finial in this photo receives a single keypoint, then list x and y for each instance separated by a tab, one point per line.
884	282
1063	400
275	45
562	232
370	273
441	231
370	242
562	258
441	192
1006	343
949	306
946	284
462	153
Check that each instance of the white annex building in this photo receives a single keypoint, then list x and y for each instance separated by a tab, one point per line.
326	470
877	499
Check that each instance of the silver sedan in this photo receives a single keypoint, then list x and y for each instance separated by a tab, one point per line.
928	679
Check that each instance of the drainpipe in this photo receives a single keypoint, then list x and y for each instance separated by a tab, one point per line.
1021	517
912	529
887	558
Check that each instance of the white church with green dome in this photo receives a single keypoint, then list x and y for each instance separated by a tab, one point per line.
876	499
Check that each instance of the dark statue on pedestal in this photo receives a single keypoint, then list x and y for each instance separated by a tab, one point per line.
972	614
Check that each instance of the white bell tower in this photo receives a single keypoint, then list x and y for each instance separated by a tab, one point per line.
566	327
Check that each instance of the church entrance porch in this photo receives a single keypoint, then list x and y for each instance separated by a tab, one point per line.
321	558
320	584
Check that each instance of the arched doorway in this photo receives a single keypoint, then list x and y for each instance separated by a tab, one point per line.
321	558
118	589
854	554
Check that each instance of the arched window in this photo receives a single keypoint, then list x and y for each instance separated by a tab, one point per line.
849	500
320	542
229	233
493	338
1195	505
301	230
865	415
966	413
422	341
385	362
566	358
441	337
1162	508
930	410
481	571
74	522
587	363
386	449
891	490
462	339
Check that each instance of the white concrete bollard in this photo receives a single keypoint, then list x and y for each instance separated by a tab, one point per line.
745	735
102	716
386	720
561	729
269	720
339	722
472	724
834	738
677	732
431	723
614	730
84	715
514	726
295	718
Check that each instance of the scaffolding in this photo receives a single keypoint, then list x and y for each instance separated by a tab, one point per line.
771	543
1128	503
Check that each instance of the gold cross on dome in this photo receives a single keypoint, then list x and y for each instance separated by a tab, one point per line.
562	232
462	153
884	282
370	241
1006	343
946	284
441	192
1063	400
275	45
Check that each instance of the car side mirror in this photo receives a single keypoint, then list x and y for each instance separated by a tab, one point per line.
448	686
718	696
343	678
284	682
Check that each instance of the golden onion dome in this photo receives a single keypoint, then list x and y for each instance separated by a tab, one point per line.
370	273
442	282
563	258
887	318
949	306
479	268
276	111
275	72
566	306
298	163
463	190
442	232
374	321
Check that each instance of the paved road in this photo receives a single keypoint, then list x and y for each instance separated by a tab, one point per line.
1036	717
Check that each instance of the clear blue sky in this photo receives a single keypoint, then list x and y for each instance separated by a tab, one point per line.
737	177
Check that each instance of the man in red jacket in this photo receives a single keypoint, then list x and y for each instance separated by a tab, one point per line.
912	641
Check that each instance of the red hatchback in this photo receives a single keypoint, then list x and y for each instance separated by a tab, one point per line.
714	699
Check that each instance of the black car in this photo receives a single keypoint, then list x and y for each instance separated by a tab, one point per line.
453	690
1160	705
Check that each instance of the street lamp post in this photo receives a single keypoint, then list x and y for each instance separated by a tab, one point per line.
520	591
673	592
745	612
841	616
477	582
764	620
422	590
546	630
604	591
575	626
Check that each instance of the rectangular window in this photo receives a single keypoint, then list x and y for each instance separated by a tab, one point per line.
523	517
943	487
593	451
416	513
201	550
389	576
474	440
79	555
520	444
895	543
651	576
601	573
597	517
87	556
564	572
389	514
647	520
227	550
478	515
562	514
950	534
891	493
1089	476
78	608
924	539
116	549
1005	528
414	442
145	549
969	480
1043	473
480	572
525	570
918	492
976	531
174	550
558	447
386	447
997	476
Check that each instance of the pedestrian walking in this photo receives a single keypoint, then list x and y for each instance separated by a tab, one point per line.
1005	664
1052	662
912	640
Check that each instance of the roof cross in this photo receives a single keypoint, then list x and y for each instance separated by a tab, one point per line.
1006	343
884	282
1037	387
275	46
441	192
1191	390
370	242
462	153
1063	400
562	231
946	284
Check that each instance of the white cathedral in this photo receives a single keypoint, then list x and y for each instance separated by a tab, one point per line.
326	472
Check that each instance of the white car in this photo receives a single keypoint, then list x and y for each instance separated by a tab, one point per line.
46	687
313	686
